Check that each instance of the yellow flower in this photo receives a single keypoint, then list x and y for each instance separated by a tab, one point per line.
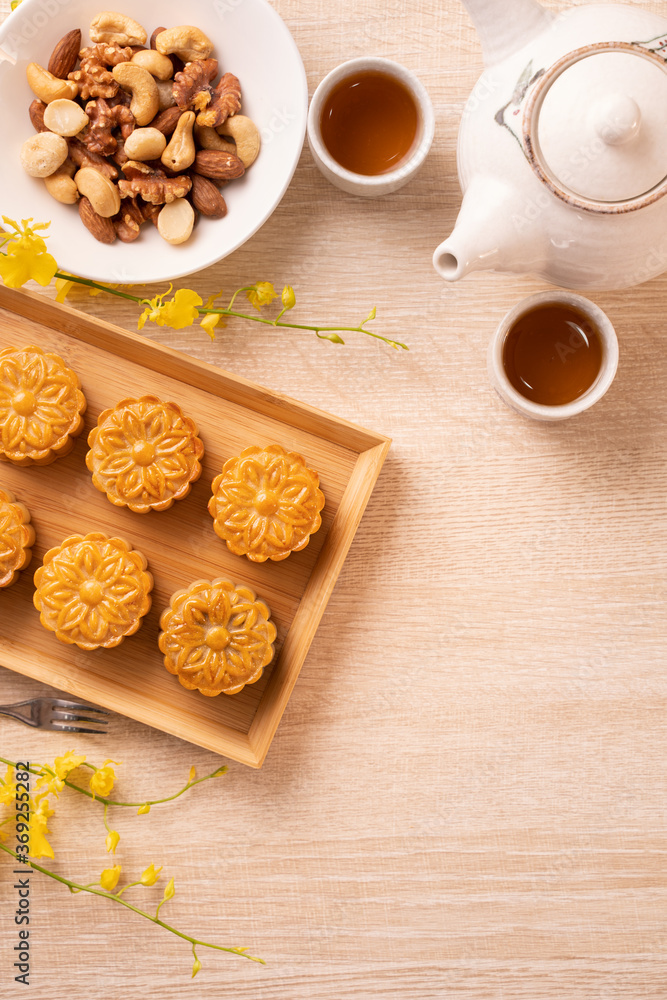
102	781
169	890
179	312
112	841
192	775
24	256
212	320
38	845
151	875
109	878
196	967
63	288
63	765
261	294
288	297
142	810
49	784
8	787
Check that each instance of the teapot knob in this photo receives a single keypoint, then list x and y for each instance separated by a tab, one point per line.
617	119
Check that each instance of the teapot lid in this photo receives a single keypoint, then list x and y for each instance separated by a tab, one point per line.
595	127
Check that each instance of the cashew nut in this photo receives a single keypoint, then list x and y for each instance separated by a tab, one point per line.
180	153
165	91
99	190
245	134
145	144
145	100
176	220
186	42
159	66
43	153
65	117
207	138
111	27
61	184
48	87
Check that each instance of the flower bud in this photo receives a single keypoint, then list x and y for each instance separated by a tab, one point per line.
288	297
112	841
109	878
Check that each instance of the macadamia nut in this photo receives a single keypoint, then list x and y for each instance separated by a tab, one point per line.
145	144
43	153
176	220
65	117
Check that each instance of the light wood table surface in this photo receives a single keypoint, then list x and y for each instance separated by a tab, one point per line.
467	794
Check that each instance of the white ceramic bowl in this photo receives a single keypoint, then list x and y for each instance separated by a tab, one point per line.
605	377
250	40
371	186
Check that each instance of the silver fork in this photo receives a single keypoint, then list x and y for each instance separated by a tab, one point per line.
52	713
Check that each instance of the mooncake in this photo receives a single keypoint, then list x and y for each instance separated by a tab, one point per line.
266	503
144	454
93	590
16	538
41	406
216	637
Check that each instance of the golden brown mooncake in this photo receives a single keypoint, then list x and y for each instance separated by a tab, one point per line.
93	590
266	503
216	637
41	406
144	454
16	538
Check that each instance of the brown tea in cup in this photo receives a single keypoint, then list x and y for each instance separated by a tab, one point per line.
369	122
552	354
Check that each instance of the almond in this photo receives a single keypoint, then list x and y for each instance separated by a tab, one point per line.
166	121
217	165
64	56
206	197
36	112
102	229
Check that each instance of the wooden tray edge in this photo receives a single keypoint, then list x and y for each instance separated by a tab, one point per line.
316	596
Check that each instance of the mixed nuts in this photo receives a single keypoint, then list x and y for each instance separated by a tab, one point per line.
137	134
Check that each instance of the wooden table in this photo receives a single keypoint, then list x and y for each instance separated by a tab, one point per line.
467	794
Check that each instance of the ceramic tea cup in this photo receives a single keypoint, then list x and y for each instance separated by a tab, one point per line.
371	185
563	351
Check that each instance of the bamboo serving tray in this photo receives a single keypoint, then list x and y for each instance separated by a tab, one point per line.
179	543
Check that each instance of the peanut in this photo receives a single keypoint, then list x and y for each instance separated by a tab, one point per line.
65	117
48	87
61	184
111	27
176	221
145	144
185	41
180	153
142	86
99	190
43	153
157	65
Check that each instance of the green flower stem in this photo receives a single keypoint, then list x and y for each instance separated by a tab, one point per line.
114	802
128	886
75	887
229	311
103	288
313	329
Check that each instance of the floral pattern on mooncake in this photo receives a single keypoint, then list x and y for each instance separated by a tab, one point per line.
93	590
16	538
144	454
41	406
266	503
216	637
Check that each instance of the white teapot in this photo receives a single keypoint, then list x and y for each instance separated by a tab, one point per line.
562	152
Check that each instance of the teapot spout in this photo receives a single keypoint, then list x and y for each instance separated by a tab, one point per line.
494	232
504	28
